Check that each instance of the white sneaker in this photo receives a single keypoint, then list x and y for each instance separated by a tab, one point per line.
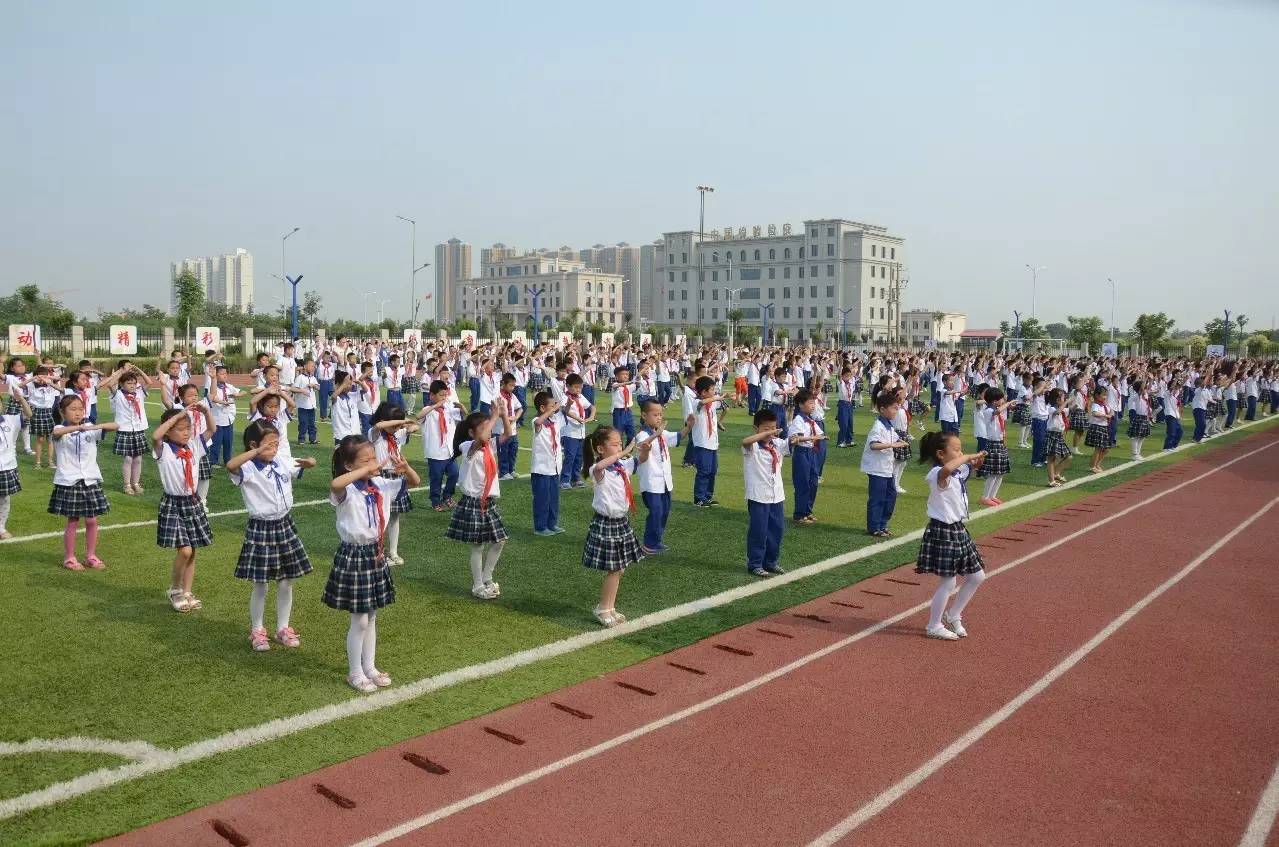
605	617
494	587
955	625
901	490
483	592
395	559
941	633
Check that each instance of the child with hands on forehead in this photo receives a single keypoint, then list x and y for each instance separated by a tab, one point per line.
202	433
762	454
547	465
10	429
476	519
389	434
274	404
77	479
360	581
439	421
182	523
272	551
947	549
611	545
129	411
656	480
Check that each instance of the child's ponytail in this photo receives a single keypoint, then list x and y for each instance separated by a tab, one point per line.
591	449
931	444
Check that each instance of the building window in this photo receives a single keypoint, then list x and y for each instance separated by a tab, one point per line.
772	273
812	291
830	311
812	271
814	232
786	293
683	295
830	291
801	271
872	313
683	258
714	314
786	273
683	276
671	292
670	314
715	258
513	296
785	311
683	314
772	254
881	313
701	276
670	258
812	249
830	249
812	311
715	294
757	255
830	232
671	276
714	276
830	270
894	255
786	253
772	293
588	286
872	250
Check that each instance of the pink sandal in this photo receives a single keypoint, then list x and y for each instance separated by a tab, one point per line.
95	563
73	564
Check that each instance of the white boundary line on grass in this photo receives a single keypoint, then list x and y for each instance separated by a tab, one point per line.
286	726
896	791
139	751
1263	819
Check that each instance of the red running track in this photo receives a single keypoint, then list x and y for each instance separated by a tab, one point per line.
1163	733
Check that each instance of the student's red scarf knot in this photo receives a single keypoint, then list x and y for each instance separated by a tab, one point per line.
188	470
490	474
617	468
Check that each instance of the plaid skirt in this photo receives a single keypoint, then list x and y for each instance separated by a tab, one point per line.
916	407
206	469
13	407
410	385
360	580
1098	436
9	482
271	551
1021	414
41	421
902	454
1213	409
130	443
475	526
402	502
1078	420
997	461
610	544
1139	427
947	550
82	500
182	522
1055	447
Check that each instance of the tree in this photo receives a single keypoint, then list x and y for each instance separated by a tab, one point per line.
1086	330
1030	328
311	305
1005	327
819	331
1241	321
1151	329
1058	330
1216	330
28	304
190	296
735	319
1256	344
1198	345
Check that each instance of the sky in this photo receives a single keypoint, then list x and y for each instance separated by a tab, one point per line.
1136	141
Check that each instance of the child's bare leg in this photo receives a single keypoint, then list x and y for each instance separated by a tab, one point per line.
608	590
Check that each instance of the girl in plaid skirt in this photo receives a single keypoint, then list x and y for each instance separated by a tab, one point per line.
611	545
997	463
182	523
272	551
476	519
1078	411
128	409
947	549
1139	421
360	581
1098	438
16	379
10	429
389	434
77	479
200	414
1056	453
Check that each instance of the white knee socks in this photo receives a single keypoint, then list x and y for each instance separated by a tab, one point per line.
202	489
968	585
1136	447
490	561
477	566
393	535
26	438
4	512
940	596
370	647
283	603
257	605
990	488
361	639
898	469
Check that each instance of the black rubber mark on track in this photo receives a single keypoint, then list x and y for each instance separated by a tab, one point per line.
846	605
337	799
233	837
987	544
505	736
569	710
1057	520
818	618
1013	540
876	593
425	764
774	632
637	689
900	581
736	651
689	669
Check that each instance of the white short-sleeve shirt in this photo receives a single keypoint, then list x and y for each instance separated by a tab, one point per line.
267	487
949	504
762	471
76	457
655	475
362	517
610	495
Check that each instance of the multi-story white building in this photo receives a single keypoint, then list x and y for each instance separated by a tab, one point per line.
505	292
227	279
922	325
827	271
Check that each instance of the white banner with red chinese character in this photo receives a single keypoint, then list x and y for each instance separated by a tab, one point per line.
124	340
413	336
24	339
646	338
606	338
207	338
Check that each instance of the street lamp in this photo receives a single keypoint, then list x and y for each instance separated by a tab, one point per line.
1113	289
1034	285
413	275
381	309
367	295
475	292
417	304
764	312
537	299
702	191
1225	336
843	327
728	313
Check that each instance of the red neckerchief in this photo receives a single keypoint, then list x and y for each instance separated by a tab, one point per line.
999	419
84	399
373	509
188	472
192	416
510	402
490	474
222	388
626	397
443	425
577	401
710	420
392	444
617	468
132	397
372	387
555	441
767	445
395	373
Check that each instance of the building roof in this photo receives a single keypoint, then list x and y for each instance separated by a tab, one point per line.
980	333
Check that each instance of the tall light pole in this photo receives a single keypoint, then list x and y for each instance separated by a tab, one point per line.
475	292
537	299
1225	336
381	309
367	295
418	303
1113	289
843	327
728	313
413	275
1034	284
284	269
764	312
702	191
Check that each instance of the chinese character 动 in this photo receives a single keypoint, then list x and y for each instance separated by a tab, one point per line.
26	337
122	338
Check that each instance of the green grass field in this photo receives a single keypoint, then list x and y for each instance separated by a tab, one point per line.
101	654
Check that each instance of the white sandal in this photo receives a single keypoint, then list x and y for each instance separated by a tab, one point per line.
362	684
193	602
178	600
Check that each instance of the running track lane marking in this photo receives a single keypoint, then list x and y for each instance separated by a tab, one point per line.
894	793
1264	818
972	736
282	727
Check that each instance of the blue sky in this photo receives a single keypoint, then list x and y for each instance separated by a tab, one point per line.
1135	140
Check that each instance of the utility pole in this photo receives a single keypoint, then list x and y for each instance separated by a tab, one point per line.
1113	288
413	274
702	191
1034	284
764	312
537	299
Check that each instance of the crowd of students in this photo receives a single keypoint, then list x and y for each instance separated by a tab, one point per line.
378	395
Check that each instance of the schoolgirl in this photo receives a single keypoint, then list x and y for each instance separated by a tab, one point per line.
1100	416
77	480
997	463
360	582
548	463
16	379
1078	412
128	409
1139	421
274	405
10	484
1172	413
1021	413
181	523
947	549
272	551
901	425
1056	453
202	430
611	545
476	520
393	378
505	426
389	434
411	385
43	392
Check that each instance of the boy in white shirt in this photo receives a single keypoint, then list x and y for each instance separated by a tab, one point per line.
762	455
877	462
306	387
656	481
548	463
439	422
222	402
704	424
508	449
578	412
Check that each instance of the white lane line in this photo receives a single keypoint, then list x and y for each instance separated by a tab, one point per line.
137	750
958	746
1016	501
935	763
1263	819
282	727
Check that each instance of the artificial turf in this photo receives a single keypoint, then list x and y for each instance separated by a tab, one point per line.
107	658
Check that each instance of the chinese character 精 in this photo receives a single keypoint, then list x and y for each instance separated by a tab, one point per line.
122	338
